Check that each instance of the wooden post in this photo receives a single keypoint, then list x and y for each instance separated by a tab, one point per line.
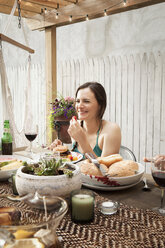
51	77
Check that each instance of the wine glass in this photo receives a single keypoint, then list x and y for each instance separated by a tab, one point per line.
158	174
31	132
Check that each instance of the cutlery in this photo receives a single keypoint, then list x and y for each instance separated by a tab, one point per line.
93	159
146	187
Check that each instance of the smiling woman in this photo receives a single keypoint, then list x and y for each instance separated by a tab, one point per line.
90	132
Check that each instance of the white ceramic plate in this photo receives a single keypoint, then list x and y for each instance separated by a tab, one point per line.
110	188
113	181
78	155
4	175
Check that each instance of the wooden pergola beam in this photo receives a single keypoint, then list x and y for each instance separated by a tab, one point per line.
15	43
51	81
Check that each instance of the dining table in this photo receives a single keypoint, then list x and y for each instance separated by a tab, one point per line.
135	224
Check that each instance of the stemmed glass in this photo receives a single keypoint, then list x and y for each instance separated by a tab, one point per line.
158	174
31	132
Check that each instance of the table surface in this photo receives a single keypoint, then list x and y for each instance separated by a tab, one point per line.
136	196
135	225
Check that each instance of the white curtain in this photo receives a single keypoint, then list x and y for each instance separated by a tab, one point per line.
15	89
19	102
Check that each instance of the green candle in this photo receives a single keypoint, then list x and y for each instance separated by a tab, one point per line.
15	192
82	203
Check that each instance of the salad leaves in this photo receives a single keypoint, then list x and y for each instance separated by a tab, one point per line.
50	167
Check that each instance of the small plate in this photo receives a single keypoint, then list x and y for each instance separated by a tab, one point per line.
75	155
78	155
110	188
5	175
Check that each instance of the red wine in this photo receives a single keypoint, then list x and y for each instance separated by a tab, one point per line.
159	178
30	137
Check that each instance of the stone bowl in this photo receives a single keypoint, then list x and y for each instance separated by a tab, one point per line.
60	185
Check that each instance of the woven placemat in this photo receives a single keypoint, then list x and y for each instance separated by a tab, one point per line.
130	227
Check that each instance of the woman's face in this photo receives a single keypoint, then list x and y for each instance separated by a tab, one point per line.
86	104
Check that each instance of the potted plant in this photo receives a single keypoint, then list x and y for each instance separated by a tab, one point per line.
62	110
48	177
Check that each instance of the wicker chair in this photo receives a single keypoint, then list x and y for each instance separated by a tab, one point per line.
126	153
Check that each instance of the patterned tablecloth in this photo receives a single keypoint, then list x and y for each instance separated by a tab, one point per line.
130	227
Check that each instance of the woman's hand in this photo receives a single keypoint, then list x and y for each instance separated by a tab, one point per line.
55	143
75	130
157	159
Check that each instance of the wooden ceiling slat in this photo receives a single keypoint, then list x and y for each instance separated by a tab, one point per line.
45	4
6	9
31	4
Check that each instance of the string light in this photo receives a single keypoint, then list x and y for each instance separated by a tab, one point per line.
57	15
105	12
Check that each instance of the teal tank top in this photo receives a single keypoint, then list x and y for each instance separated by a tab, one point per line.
96	149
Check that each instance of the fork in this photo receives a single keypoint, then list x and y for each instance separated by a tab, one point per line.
93	159
146	187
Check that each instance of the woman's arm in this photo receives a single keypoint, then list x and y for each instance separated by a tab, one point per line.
110	143
111	140
157	158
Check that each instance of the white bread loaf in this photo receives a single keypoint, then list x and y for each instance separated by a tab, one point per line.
91	169
123	168
110	159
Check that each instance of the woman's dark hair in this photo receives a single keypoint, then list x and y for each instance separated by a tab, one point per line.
99	93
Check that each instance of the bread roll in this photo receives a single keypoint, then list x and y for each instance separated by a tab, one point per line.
91	169
60	149
110	159
123	168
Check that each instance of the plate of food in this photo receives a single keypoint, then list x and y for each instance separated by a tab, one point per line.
9	165
123	173
64	153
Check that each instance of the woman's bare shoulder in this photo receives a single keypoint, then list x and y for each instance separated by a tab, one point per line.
110	126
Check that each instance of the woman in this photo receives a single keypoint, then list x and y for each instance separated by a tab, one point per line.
91	133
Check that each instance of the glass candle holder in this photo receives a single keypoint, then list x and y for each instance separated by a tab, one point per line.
109	207
82	206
